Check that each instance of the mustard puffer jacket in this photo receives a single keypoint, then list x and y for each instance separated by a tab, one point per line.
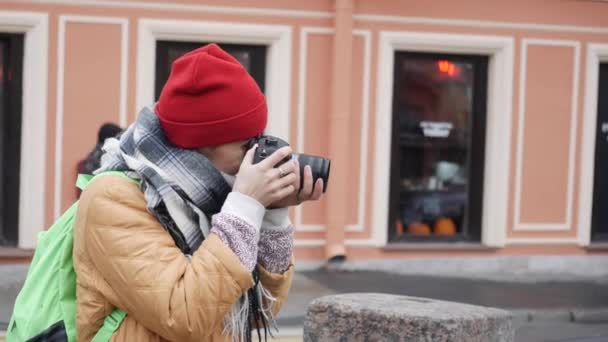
125	259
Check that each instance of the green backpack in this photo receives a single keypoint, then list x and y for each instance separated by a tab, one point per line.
45	309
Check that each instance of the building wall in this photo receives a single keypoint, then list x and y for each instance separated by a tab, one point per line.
93	56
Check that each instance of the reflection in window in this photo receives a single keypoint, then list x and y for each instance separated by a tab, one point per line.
438	146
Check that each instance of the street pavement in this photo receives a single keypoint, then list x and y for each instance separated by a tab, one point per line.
572	310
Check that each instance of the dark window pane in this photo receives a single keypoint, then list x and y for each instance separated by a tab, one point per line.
599	218
437	150
11	60
252	57
3	90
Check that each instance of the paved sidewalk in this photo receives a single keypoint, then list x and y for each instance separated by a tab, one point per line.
543	299
547	309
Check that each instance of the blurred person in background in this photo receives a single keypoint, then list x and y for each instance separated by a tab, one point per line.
92	161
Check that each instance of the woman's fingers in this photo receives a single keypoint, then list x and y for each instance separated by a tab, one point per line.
281	171
307	185
285	181
273	159
296	172
310	193
284	192
318	191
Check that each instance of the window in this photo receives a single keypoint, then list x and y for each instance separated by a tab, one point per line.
253	58
599	217
11	63
437	153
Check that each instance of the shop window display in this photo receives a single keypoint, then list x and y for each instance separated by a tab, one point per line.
437	153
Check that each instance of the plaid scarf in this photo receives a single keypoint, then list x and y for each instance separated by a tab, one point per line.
183	190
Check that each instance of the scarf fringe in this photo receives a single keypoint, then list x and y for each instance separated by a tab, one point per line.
267	301
235	322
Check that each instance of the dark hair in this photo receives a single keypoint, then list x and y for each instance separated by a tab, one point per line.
107	130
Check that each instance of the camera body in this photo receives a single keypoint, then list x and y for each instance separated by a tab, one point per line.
268	144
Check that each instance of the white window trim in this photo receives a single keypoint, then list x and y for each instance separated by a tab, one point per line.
34	120
278	63
596	54
498	131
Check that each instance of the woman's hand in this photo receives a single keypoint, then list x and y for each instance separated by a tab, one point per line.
307	193
262	181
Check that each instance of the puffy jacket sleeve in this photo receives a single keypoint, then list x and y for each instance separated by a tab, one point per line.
278	284
149	277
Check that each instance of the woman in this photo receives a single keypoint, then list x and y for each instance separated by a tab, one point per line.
197	244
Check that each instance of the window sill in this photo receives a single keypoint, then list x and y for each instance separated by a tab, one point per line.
425	246
597	246
14	254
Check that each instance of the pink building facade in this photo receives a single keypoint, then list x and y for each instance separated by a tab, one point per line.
455	128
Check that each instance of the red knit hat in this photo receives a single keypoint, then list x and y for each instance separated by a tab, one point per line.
210	99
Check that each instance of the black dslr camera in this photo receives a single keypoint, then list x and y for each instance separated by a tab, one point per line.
267	144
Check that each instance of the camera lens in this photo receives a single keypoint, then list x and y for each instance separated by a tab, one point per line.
319	167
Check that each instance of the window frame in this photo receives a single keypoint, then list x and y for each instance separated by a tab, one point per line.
279	71
258	52
500	49
11	139
33	173
471	230
596	235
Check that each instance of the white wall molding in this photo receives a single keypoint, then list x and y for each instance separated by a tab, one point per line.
308	242
302	72
278	62
321	242
498	133
363	17
546	226
542	241
122	110
176	7
596	54
361	243
302	69
349	243
34	120
304	243
479	24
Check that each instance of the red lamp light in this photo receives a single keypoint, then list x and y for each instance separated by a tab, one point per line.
449	68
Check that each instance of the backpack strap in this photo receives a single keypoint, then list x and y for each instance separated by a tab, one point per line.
83	180
113	320
110	325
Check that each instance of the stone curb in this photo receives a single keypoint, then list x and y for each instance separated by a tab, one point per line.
383	317
590	315
516	269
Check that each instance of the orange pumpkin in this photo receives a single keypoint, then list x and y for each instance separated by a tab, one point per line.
444	226
417	228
